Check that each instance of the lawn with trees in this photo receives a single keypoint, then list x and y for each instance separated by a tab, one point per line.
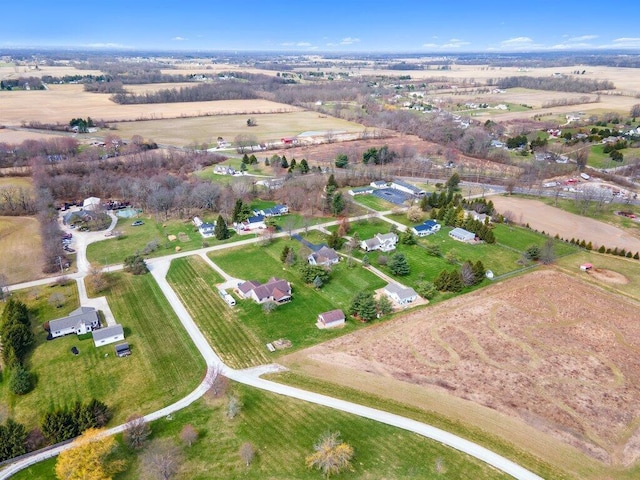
273	436
296	319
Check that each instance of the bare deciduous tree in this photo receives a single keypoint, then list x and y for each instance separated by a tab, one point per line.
331	455
188	434
161	460
137	431
247	453
234	406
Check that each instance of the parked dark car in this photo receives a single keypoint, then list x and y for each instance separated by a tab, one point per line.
137	223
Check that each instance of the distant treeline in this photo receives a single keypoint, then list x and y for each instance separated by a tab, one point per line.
236	88
556	84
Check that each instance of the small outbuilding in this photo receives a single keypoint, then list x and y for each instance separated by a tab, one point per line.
330	319
123	350
585	267
462	235
399	294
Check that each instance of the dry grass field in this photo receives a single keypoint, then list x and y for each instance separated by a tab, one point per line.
61	103
21	237
24	182
11	136
17	71
270	127
546	361
568	225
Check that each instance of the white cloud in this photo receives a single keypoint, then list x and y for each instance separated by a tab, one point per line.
452	43
178	39
627	42
297	44
582	38
349	41
517	41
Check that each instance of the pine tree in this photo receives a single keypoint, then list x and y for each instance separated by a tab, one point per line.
398	265
221	231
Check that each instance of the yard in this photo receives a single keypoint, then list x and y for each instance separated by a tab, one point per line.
283	432
295	320
164	365
195	283
135	239
376	203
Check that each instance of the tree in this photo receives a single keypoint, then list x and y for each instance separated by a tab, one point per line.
332	185
337	204
398	265
384	305
547	255
234	405
370	155
317	282
161	460
407	238
57	299
453	182
188	434
221	231
467	275
13	438
532	252
269	306
137	431
251	122
342	160
415	214
135	265
285	253
331	455
426	289
247	452
635	111
20	381
363	306
310	272
218	383
88	458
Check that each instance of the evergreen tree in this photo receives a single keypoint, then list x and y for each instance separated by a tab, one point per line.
332	185
398	265
304	166
285	253
221	231
337	204
237	211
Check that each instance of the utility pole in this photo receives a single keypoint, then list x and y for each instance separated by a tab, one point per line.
60	262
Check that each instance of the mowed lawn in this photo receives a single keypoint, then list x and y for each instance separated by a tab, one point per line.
194	281
295	320
21	237
164	365
283	432
113	250
376	203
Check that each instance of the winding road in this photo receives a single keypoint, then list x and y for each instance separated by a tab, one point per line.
252	376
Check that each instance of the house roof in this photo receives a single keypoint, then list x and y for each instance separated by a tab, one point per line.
462	233
107	332
206	225
277	288
387	237
255	219
422	227
430	223
372	242
408	186
331	316
86	315
246	287
325	253
122	347
401	292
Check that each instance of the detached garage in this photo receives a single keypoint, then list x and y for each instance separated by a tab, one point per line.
107	335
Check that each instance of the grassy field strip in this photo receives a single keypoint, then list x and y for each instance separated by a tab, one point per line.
194	282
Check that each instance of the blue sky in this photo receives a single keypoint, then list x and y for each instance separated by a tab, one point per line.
323	26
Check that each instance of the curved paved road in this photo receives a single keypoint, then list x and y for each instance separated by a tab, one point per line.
159	268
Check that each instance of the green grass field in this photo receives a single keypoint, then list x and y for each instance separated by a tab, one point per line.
599	159
373	202
283	432
194	281
164	365
295	320
134	239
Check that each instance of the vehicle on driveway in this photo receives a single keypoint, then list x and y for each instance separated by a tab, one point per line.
137	223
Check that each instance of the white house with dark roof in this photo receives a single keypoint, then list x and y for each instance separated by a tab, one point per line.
224	170
82	320
379	184
427	228
400	295
462	235
253	223
207	229
385	242
275	290
274	211
107	335
325	257
408	188
330	319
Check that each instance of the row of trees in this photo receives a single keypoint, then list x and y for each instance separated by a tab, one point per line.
68	422
16	339
557	84
467	275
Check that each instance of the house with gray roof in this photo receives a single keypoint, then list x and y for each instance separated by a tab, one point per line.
325	257
385	242
82	320
107	335
408	188
462	235
399	294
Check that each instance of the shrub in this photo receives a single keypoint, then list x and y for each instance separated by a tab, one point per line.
21	381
